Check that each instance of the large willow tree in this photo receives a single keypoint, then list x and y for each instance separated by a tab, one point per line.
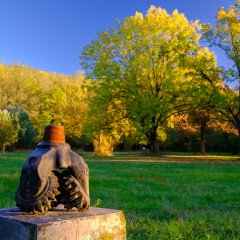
139	63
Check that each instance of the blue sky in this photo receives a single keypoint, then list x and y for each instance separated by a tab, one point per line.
50	34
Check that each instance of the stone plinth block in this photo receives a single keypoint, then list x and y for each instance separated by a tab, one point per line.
94	224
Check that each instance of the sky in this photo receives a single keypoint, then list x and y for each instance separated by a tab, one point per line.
50	34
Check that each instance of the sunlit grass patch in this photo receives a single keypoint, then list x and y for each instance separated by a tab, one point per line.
170	157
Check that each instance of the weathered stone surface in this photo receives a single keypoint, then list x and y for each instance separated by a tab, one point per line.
95	224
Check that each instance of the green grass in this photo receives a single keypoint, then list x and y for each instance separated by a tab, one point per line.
164	197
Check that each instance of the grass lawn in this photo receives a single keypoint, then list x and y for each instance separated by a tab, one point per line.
166	197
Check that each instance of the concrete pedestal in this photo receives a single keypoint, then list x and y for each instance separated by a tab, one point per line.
95	224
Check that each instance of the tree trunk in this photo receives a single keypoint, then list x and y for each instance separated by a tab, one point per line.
102	145
238	142
152	137
203	126
236	123
3	150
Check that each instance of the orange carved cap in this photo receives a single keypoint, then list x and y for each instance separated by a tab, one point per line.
54	134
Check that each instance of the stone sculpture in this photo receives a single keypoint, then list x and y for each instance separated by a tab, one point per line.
53	175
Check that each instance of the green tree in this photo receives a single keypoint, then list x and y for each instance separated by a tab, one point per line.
226	36
26	132
139	63
8	130
105	122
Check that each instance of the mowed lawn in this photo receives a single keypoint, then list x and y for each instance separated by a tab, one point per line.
165	197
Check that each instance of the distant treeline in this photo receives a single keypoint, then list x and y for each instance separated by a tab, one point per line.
33	99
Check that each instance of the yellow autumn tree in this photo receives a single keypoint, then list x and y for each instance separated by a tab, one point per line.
138	62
